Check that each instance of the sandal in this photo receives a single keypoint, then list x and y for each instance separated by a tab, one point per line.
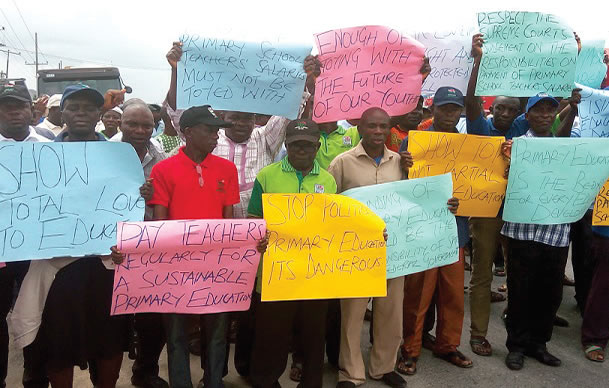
296	372
456	358
502	288
499	271
428	341
481	346
497	297
407	366
595	353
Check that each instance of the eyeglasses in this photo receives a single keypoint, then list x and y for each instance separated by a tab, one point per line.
305	146
200	172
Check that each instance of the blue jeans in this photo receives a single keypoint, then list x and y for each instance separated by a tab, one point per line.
178	357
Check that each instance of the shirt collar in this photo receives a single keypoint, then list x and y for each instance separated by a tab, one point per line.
62	136
530	133
361	152
184	158
32	136
287	167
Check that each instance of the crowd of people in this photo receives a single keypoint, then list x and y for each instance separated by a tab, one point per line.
202	164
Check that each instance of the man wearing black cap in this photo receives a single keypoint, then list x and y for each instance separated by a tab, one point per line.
447	280
298	172
537	257
15	118
195	184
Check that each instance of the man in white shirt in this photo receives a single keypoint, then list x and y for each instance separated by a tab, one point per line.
15	117
52	121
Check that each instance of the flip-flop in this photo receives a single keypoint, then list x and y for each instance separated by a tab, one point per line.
481	347
599	352
296	372
456	358
497	297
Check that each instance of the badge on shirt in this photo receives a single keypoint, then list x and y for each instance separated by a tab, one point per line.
319	189
347	141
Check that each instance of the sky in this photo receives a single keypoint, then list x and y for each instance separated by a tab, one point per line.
135	35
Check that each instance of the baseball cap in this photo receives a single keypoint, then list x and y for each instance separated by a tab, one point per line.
302	129
82	89
541	96
448	95
15	90
54	101
202	115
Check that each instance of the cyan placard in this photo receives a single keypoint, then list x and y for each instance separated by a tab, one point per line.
64	199
525	53
593	113
554	180
256	77
590	68
422	231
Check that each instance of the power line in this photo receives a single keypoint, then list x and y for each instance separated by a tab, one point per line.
15	33
96	62
27	28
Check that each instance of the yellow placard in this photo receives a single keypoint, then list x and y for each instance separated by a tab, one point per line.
322	246
475	162
600	216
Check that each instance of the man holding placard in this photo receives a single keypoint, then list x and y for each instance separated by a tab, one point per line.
370	162
537	257
298	172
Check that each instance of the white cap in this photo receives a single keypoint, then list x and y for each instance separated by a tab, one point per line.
117	110
54	101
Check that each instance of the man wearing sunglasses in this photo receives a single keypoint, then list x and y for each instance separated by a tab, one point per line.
194	184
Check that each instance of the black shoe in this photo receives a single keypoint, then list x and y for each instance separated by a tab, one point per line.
393	380
560	321
148	382
542	355
514	360
345	384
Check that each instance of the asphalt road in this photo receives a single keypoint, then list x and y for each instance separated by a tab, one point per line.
488	372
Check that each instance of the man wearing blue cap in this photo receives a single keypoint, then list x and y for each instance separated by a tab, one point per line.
537	257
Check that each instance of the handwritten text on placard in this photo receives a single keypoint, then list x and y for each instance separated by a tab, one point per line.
186	266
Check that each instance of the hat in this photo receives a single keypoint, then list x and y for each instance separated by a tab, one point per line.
541	96
448	95
302	129
201	115
15	90
117	110
54	101
83	89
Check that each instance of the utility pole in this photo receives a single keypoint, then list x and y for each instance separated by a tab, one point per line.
36	63
8	54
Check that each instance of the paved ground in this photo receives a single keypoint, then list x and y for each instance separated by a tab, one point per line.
487	371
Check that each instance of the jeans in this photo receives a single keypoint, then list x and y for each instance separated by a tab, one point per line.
178	357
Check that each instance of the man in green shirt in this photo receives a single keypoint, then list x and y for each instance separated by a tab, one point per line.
298	172
334	141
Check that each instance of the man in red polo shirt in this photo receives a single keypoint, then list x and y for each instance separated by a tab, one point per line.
194	184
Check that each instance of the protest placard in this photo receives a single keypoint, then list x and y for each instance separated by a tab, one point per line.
600	215
258	77
449	57
590	68
322	246
365	67
593	112
64	199
475	162
525	53
422	231
2	265
554	180
186	266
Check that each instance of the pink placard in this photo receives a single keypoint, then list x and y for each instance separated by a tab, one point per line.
365	67
186	266
2	265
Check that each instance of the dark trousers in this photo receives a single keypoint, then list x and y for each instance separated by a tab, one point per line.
34	375
595	327
332	335
274	327
246	327
534	277
582	258
151	340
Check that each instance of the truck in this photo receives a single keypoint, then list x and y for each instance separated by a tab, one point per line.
54	81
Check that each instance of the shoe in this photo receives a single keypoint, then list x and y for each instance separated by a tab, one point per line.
560	321
345	384
393	380
568	282
148	382
428	341
514	360
542	355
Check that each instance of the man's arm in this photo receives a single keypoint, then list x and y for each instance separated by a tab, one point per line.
160	213
227	211
472	105
173	57
564	130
